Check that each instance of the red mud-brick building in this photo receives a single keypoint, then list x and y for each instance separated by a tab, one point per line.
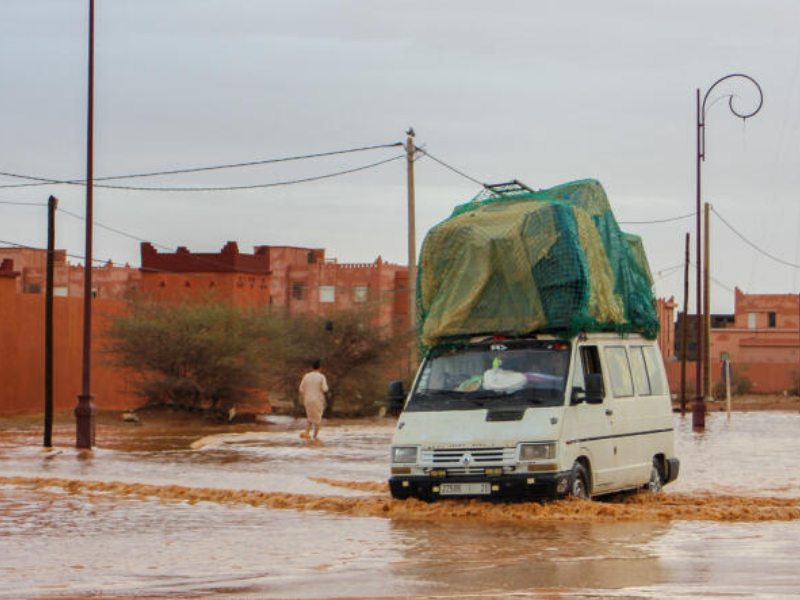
109	281
298	280
761	340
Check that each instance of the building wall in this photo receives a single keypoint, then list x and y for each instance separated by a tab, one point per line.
22	353
761	340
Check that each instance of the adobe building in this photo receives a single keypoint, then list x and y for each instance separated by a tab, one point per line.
761	340
297	279
109	281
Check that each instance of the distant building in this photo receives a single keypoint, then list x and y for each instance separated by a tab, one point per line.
109	281
296	279
761	340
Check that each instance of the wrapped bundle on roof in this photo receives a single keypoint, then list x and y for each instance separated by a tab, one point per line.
554	260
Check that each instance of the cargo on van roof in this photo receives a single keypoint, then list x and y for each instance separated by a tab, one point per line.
553	260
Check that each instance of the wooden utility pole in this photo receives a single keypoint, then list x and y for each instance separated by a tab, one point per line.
412	247
52	204
685	326
707	391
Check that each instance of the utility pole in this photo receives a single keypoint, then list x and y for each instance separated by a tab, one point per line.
707	392
52	204
685	326
85	411
412	246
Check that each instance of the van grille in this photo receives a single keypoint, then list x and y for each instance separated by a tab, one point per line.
444	457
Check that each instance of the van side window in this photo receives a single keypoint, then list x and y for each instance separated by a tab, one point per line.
588	363
640	377
655	370
619	371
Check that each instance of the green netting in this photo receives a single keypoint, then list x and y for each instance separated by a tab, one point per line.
550	261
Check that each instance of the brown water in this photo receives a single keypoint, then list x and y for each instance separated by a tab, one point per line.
259	513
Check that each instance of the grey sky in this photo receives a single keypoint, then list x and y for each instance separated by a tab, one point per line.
546	92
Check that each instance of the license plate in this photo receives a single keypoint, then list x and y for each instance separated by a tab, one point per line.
465	489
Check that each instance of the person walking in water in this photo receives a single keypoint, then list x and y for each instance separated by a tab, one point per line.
313	387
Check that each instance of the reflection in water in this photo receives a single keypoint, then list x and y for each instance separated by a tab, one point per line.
194	511
493	559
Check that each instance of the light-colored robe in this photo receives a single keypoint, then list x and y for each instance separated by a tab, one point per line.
312	392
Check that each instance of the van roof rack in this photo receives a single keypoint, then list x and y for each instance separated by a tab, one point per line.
509	187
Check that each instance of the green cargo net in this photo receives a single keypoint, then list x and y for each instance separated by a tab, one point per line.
518	262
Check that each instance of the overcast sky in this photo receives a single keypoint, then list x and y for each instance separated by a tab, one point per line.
546	92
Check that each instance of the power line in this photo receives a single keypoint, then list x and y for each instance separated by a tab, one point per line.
445	165
39	181
656	221
752	245
23	203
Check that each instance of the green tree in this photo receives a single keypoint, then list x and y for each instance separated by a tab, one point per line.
192	355
358	358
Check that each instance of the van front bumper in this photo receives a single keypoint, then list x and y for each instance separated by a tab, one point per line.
538	486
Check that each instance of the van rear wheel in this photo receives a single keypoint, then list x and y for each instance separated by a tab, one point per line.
656	482
579	486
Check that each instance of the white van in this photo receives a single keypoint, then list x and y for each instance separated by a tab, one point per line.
538	417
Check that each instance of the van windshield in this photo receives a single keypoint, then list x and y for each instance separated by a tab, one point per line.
491	374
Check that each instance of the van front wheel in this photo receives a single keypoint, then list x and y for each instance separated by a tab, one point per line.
579	486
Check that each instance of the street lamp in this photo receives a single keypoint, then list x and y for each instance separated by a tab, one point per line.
703	341
85	411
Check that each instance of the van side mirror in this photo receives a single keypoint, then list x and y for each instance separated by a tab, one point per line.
595	389
395	398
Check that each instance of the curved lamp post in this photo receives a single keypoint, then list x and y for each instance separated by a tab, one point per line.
703	343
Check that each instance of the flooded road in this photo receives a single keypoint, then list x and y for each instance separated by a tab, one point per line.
253	511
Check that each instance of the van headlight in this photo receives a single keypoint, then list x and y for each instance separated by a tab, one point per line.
404	454
537	451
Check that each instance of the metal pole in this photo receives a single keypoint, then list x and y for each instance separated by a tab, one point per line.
52	204
685	326
698	404
707	391
412	245
85	411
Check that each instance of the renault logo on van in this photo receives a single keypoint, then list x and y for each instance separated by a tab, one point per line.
466	459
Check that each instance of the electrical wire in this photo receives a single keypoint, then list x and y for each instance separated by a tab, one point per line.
445	165
656	221
752	245
39	181
23	203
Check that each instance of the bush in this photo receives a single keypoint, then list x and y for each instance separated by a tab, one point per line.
191	356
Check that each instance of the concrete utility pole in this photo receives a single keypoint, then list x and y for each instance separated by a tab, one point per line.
85	411
52	205
412	243
698	404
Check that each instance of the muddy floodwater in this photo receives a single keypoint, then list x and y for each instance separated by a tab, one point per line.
253	511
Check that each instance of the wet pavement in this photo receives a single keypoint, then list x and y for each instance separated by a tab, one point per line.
252	511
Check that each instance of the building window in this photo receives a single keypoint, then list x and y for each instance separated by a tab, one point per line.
360	294
299	290
94	292
61	291
327	293
34	288
773	319
751	320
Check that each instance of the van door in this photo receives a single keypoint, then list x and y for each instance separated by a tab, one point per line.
629	386
594	433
